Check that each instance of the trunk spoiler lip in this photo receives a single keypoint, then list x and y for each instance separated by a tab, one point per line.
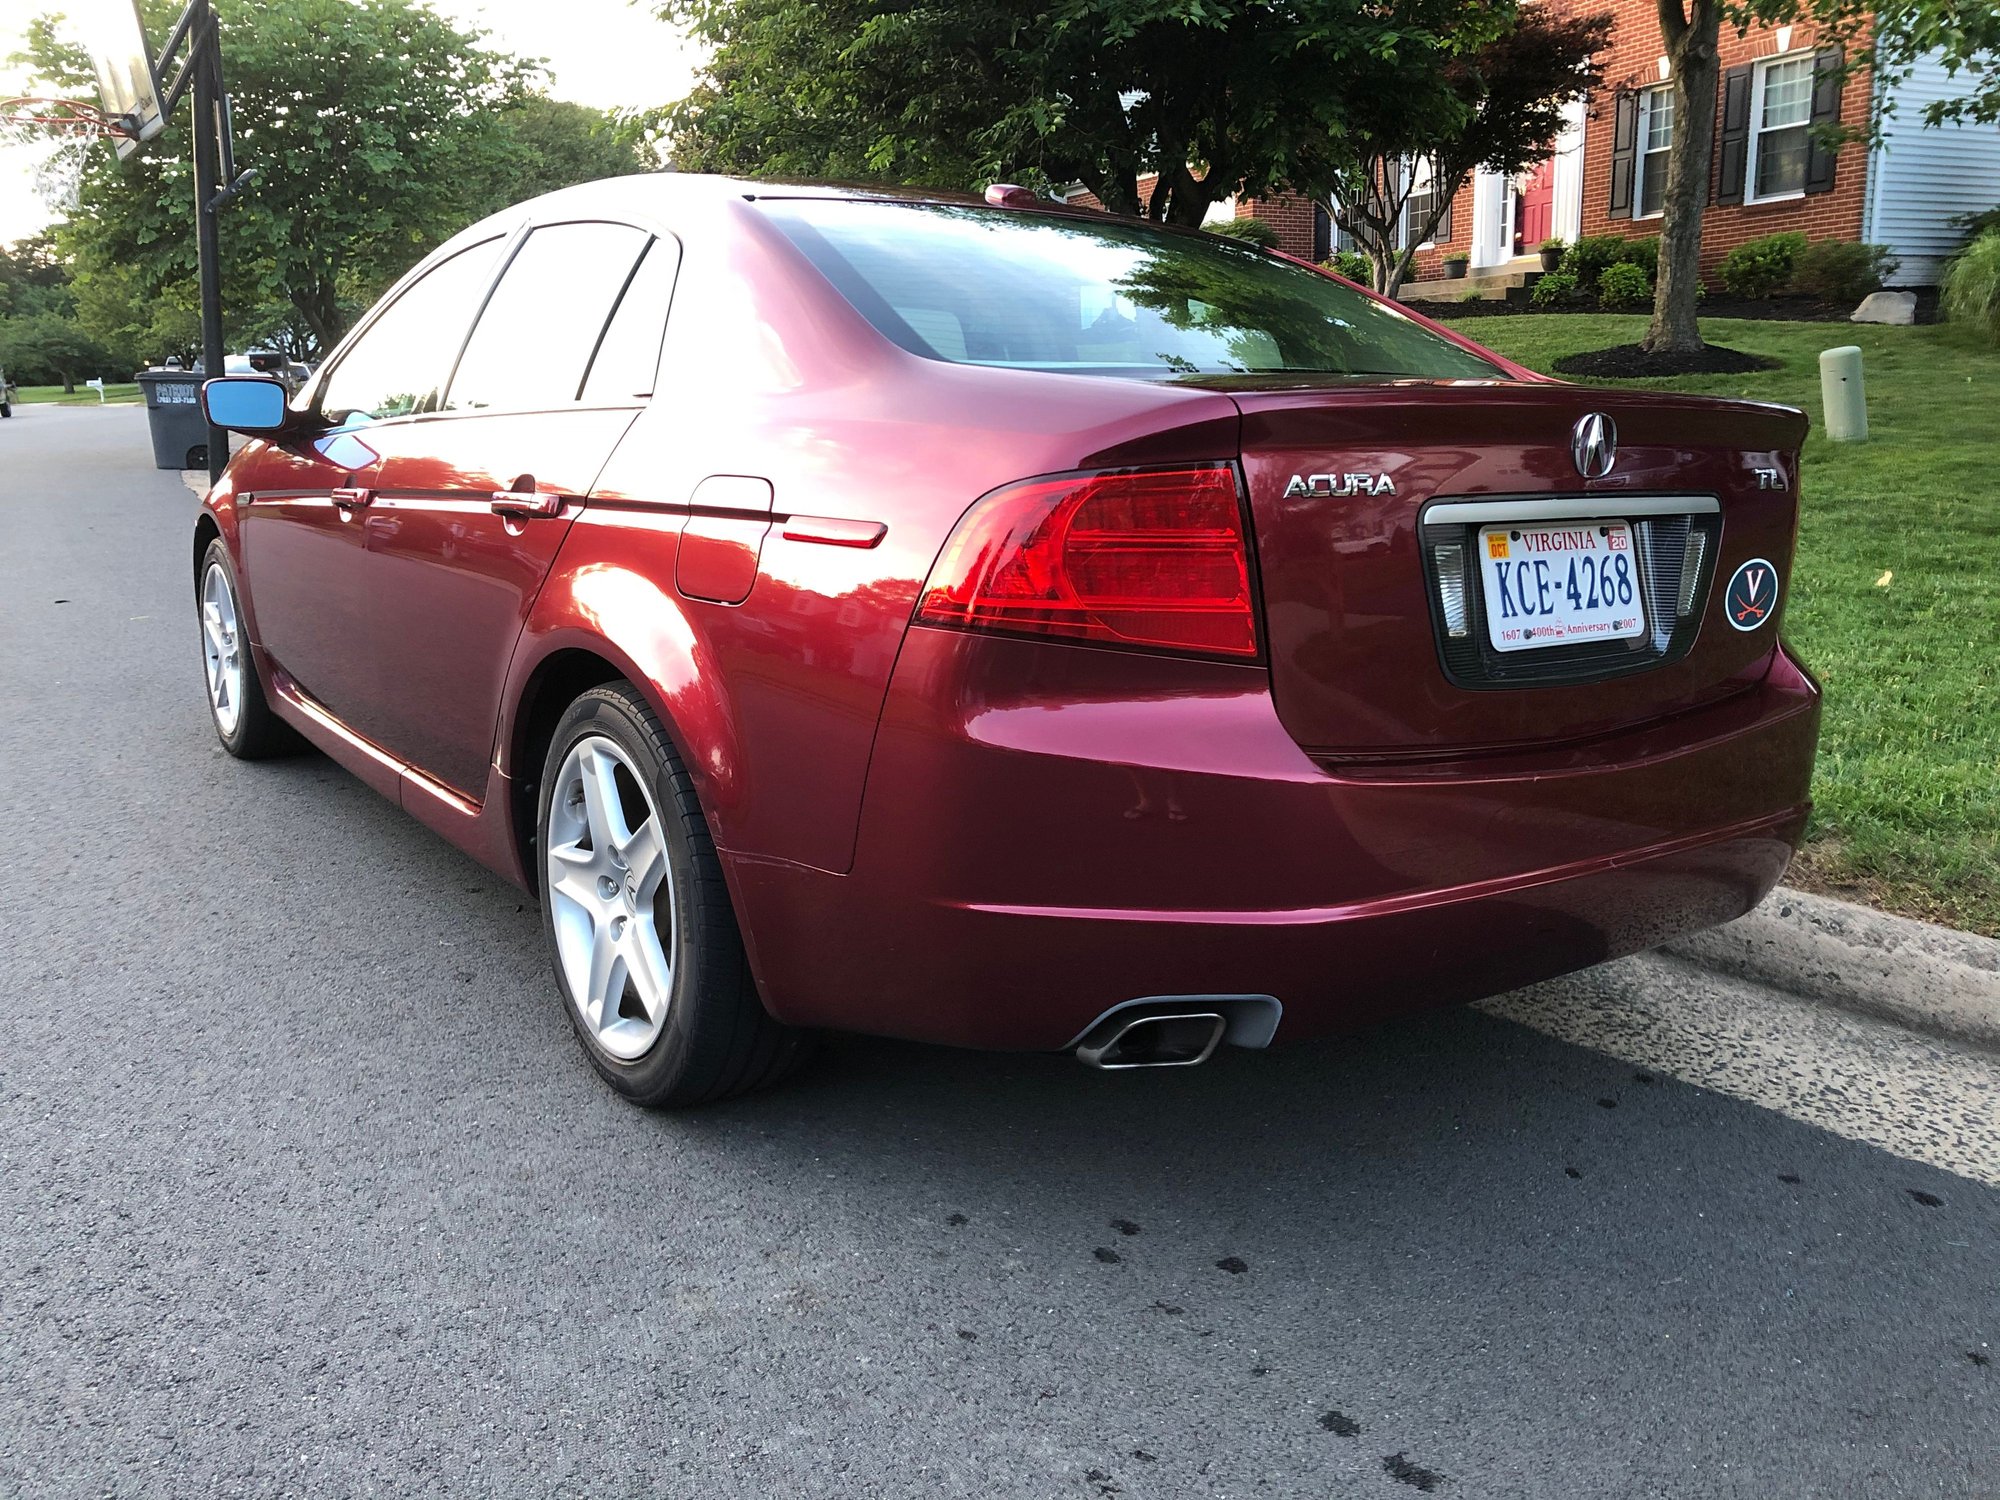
1542	395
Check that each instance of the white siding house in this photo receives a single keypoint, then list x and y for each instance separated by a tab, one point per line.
1918	178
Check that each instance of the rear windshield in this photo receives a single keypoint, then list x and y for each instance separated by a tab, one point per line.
981	286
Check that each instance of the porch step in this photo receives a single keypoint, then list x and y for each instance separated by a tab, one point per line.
1493	283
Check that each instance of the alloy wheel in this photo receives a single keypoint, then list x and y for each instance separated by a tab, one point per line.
221	648
611	897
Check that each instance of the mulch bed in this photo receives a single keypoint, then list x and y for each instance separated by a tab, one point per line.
1776	309
1631	361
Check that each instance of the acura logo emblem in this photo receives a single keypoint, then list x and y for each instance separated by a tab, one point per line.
1594	445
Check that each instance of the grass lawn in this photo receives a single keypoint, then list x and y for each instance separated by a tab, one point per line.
52	395
1895	601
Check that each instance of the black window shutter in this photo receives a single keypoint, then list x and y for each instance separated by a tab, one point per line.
1322	233
1443	235
1825	111
1624	142
1734	143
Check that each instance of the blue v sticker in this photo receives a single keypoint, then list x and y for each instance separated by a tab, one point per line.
1752	596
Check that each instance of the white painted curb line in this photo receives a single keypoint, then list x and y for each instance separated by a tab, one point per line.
1930	979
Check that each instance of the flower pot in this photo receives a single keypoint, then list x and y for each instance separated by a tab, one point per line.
1454	270
1552	260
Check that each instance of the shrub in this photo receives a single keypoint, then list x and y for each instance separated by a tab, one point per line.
1553	244
1758	268
1972	226
1623	285
1353	265
1472	295
1587	258
1554	289
1972	285
1250	231
1644	251
1837	271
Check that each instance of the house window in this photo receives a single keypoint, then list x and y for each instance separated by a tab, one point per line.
1418	207
1781	112
1656	135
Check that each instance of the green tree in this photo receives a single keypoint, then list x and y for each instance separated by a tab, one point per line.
552	143
1967	35
376	127
48	347
1215	96
34	277
135	328
1501	109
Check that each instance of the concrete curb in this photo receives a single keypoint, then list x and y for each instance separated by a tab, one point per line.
1928	979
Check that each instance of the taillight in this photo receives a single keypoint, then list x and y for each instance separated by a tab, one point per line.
1139	559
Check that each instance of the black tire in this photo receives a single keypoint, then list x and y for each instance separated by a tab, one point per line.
257	734
718	1041
6	408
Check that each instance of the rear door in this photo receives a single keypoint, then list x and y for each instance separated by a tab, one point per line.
469	507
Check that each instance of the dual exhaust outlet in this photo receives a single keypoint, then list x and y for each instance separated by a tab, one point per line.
1175	1031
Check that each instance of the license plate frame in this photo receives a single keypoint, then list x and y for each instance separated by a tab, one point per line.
1544	584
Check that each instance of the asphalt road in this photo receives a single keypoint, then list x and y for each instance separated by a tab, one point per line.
305	1189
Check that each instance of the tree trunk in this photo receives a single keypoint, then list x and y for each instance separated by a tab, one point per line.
69	384
1390	271
319	305
1690	36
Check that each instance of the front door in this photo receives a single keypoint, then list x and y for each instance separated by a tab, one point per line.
1534	217
303	535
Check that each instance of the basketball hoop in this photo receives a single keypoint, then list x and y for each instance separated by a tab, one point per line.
63	130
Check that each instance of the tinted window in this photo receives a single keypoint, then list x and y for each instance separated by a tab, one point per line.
399	364
540	327
980	286
629	358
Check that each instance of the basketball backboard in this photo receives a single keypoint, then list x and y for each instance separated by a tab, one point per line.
126	81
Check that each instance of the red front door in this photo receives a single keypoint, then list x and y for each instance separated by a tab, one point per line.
1534	219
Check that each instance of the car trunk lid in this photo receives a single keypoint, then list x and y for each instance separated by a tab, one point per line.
1357	493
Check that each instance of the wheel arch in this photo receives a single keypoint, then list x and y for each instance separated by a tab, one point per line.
562	666
206	530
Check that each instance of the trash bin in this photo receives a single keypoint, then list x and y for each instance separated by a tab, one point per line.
173	411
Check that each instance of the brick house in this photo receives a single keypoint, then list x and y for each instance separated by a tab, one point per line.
1607	170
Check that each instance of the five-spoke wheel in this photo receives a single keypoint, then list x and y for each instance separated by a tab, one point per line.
646	947
221	648
243	719
611	895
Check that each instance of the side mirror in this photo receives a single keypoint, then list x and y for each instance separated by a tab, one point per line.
246	403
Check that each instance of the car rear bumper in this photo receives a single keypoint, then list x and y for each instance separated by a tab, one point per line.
1051	833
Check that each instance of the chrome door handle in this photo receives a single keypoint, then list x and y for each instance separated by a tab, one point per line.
351	498
526	503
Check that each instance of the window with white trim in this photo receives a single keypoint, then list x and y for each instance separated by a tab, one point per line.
1656	138
1418	206
1781	127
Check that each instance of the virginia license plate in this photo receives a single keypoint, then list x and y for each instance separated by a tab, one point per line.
1559	583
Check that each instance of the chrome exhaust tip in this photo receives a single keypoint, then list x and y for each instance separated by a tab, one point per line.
1174	1039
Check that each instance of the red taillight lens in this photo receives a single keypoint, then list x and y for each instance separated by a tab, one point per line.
1147	559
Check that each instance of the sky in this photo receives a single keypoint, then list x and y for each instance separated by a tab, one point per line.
606	53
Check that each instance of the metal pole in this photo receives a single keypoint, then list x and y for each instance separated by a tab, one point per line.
207	134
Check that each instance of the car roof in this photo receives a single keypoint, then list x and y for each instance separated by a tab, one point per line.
651	194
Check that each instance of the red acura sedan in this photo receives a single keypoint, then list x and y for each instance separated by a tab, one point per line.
992	624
